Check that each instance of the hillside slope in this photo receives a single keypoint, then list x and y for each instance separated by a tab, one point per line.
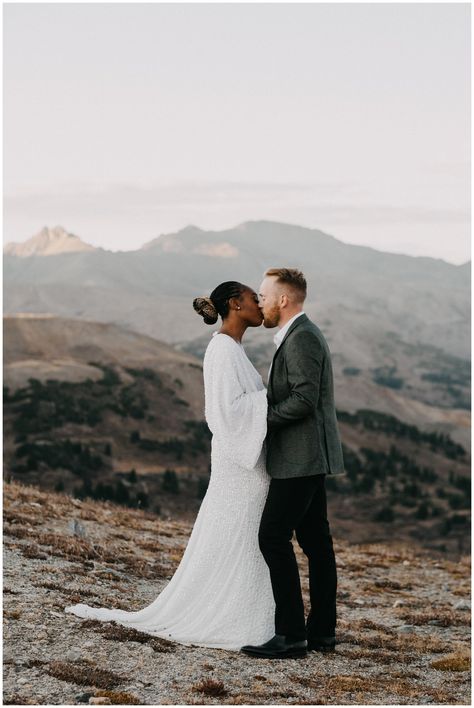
403	632
101	411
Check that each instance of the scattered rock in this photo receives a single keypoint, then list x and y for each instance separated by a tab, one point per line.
462	605
77	528
405	628
73	655
99	701
82	697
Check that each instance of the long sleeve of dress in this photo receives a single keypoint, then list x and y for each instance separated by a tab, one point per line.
235	402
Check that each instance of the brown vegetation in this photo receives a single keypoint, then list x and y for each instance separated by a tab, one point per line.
211	688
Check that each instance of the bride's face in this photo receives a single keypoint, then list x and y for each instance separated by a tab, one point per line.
249	309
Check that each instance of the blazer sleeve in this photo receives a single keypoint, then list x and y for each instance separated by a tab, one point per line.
304	357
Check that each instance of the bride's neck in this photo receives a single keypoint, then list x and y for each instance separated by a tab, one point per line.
235	330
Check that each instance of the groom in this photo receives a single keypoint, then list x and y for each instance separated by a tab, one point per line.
303	446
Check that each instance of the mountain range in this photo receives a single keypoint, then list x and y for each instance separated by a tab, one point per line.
398	326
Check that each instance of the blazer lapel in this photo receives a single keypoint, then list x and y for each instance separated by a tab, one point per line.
299	320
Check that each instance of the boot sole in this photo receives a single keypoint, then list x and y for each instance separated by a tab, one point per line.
293	655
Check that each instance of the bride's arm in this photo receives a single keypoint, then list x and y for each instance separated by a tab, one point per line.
234	415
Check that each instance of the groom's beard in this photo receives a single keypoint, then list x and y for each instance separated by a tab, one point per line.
271	317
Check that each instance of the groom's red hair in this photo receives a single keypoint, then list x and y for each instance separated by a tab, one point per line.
292	278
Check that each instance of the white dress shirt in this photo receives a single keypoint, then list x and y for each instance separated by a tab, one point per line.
281	334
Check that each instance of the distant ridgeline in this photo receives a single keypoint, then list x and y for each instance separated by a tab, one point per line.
392	426
136	443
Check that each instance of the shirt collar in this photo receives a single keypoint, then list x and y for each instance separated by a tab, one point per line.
280	335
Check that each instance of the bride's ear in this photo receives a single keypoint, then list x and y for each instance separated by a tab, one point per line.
234	304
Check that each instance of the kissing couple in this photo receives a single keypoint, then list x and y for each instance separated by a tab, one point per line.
237	586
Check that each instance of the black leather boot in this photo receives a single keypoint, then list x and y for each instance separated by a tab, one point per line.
322	644
277	648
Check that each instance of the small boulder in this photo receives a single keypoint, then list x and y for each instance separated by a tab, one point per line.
76	528
462	605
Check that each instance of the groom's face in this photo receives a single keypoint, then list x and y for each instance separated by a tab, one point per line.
268	300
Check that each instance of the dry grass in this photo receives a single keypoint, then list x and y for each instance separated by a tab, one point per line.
17	531
410	643
118	633
390	584
209	687
368	689
119	698
36	663
74	549
345	684
17	700
453	662
376	656
84	674
365	623
13	516
12	614
153	546
304	681
439	617
81	592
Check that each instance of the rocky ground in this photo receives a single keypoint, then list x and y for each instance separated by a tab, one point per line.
403	632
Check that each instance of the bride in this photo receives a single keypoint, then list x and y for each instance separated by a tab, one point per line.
220	595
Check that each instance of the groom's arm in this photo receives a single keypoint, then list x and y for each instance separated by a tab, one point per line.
304	360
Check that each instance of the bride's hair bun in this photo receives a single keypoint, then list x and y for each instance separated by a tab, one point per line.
206	308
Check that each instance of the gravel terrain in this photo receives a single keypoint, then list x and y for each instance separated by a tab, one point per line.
403	631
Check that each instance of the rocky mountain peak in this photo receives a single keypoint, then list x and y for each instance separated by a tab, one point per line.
48	242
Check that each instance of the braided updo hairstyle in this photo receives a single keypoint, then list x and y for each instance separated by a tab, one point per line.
218	302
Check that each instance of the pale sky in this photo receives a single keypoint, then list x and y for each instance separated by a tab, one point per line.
125	121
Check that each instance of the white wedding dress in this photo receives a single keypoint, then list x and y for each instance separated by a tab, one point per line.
220	595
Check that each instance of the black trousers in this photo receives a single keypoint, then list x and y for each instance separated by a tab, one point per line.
299	505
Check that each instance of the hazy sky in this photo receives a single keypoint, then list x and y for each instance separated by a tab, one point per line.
124	121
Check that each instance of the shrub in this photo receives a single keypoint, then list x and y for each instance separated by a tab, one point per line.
170	482
385	514
423	511
142	500
203	483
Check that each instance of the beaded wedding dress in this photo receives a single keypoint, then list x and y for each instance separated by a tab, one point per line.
220	595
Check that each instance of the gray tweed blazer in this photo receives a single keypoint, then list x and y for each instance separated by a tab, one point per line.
303	437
